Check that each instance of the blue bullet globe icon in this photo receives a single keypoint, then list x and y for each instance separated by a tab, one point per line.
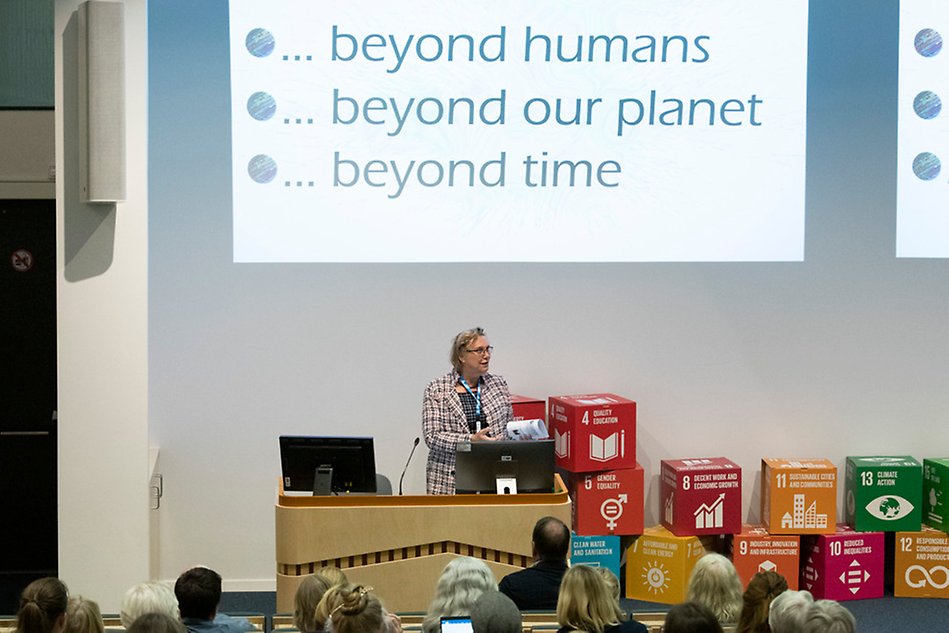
928	42
927	105
262	168
926	166
261	106
260	42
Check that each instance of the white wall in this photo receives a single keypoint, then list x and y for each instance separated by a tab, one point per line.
840	355
102	330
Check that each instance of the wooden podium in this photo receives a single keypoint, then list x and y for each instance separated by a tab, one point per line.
401	544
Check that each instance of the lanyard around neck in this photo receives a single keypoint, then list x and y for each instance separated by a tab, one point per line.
464	383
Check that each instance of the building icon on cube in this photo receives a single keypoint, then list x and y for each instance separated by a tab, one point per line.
804	518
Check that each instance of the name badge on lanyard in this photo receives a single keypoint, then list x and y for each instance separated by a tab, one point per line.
480	418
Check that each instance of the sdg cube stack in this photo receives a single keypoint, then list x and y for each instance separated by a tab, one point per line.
595	440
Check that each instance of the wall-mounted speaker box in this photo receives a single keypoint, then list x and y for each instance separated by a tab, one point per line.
101	101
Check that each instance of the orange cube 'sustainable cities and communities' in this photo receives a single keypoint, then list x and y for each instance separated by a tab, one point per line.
798	495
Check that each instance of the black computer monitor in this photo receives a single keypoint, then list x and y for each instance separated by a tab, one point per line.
327	465
478	465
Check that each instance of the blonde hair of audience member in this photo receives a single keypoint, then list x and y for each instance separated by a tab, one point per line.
158	622
764	587
148	597
462	582
83	616
585	602
828	616
43	607
306	600
715	584
788	611
334	575
353	609
612	582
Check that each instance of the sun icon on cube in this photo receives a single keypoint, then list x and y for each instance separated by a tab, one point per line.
655	578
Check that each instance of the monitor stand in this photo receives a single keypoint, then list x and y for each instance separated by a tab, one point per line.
323	481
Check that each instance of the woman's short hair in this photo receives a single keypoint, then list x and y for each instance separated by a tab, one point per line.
83	616
147	597
764	587
585	602
353	609
691	617
41	604
828	616
788	611
462	582
714	582
460	344
157	622
305	601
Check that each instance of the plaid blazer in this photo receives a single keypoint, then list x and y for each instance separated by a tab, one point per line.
444	425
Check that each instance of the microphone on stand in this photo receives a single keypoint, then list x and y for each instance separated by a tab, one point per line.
414	445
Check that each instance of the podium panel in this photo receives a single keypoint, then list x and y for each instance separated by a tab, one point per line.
401	544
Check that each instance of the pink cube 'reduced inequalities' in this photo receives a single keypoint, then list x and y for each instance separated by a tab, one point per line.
701	496
846	565
609	502
526	408
593	432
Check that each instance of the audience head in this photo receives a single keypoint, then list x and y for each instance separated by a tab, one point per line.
551	539
42	607
353	609
147	597
157	622
788	611
764	587
199	592
83	616
461	583
612	582
828	616
715	583
494	612
585	602
691	617
308	596
334	575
